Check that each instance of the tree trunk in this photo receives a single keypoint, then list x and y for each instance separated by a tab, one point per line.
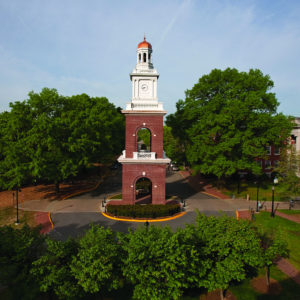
267	269
57	187
221	294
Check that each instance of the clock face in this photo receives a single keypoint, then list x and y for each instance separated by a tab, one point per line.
144	87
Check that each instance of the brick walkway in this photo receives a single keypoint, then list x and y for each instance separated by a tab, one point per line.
289	269
42	218
288	217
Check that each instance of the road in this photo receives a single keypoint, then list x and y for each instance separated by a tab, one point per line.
72	217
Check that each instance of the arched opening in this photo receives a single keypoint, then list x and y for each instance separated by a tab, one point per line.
145	57
149	57
143	191
139	57
144	140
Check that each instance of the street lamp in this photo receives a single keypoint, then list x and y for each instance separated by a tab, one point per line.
257	189
17	199
273	189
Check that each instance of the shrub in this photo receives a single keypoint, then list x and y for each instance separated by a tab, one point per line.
143	211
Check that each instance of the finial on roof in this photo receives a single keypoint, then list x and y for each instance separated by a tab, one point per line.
144	37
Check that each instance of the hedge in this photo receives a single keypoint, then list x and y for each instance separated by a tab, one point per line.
143	211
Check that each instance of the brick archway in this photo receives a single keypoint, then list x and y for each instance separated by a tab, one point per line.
146	200
154	123
154	172
140	127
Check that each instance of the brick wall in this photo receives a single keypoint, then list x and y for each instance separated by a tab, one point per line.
152	122
155	172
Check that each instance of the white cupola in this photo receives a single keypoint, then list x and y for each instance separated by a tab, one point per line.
144	81
144	56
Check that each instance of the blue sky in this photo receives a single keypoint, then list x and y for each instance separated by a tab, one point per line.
79	46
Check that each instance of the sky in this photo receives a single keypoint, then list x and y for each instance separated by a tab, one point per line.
78	46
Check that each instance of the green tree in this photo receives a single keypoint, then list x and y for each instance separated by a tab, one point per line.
54	138
19	248
172	146
96	266
145	136
226	121
230	252
288	171
153	263
273	247
15	161
52	270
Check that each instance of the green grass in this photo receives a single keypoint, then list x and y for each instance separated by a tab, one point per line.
288	230
290	212
8	217
290	289
246	187
118	196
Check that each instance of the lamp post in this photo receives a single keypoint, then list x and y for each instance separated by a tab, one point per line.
17	200
273	189
257	189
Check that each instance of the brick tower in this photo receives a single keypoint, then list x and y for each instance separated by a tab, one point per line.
146	113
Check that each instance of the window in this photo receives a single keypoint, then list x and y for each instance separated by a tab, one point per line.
145	57
139	57
276	150
268	149
268	164
276	163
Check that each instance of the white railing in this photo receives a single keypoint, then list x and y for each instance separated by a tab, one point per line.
144	155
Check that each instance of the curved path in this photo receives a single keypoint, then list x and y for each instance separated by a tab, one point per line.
72	217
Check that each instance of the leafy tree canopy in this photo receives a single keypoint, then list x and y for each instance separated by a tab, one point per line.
227	119
53	137
97	263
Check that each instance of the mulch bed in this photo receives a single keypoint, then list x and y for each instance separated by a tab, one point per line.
8	198
259	284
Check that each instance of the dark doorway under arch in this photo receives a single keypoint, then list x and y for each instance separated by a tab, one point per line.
143	191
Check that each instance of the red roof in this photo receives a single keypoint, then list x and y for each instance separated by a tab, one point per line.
144	44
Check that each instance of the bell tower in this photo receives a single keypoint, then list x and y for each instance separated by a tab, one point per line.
144	112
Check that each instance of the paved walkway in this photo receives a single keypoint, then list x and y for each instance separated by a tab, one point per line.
286	267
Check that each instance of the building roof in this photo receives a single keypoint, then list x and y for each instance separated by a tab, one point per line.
144	44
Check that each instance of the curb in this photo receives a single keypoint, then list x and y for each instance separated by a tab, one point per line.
215	196
84	191
50	220
144	220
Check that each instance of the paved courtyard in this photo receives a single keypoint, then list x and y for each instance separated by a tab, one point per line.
71	217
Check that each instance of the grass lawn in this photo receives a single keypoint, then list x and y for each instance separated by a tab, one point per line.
8	216
247	187
289	231
117	196
290	212
245	291
290	289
